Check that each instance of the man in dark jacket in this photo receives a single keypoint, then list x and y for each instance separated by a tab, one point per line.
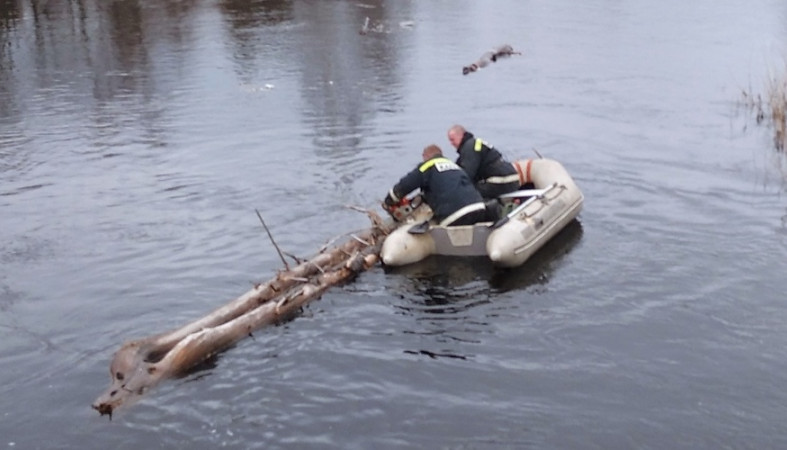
490	172
445	187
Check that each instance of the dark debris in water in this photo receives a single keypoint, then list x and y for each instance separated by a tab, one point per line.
435	355
490	57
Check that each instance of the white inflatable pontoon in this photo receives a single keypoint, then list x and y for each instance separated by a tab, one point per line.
535	216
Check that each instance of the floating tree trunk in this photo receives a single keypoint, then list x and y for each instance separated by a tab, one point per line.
140	364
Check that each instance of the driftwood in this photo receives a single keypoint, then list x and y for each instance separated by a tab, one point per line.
140	364
489	57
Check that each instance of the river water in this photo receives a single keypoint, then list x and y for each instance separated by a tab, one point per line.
138	138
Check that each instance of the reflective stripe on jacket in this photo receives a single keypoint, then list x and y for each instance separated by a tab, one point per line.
445	186
483	162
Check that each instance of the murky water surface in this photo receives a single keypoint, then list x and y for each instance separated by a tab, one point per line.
137	139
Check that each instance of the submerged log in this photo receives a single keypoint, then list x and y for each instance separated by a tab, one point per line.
141	364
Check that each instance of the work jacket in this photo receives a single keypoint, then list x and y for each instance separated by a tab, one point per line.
491	174
446	188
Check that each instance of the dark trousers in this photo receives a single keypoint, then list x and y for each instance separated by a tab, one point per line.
493	190
470	218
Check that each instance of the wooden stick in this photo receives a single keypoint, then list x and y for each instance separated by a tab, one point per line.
286	266
294	258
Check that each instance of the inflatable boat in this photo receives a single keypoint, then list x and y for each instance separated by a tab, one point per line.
530	218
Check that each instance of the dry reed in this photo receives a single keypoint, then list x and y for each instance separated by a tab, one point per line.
773	108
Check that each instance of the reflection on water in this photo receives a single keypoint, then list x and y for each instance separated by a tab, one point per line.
102	68
443	278
537	271
456	300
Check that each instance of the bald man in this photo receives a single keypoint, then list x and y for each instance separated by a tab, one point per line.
491	174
